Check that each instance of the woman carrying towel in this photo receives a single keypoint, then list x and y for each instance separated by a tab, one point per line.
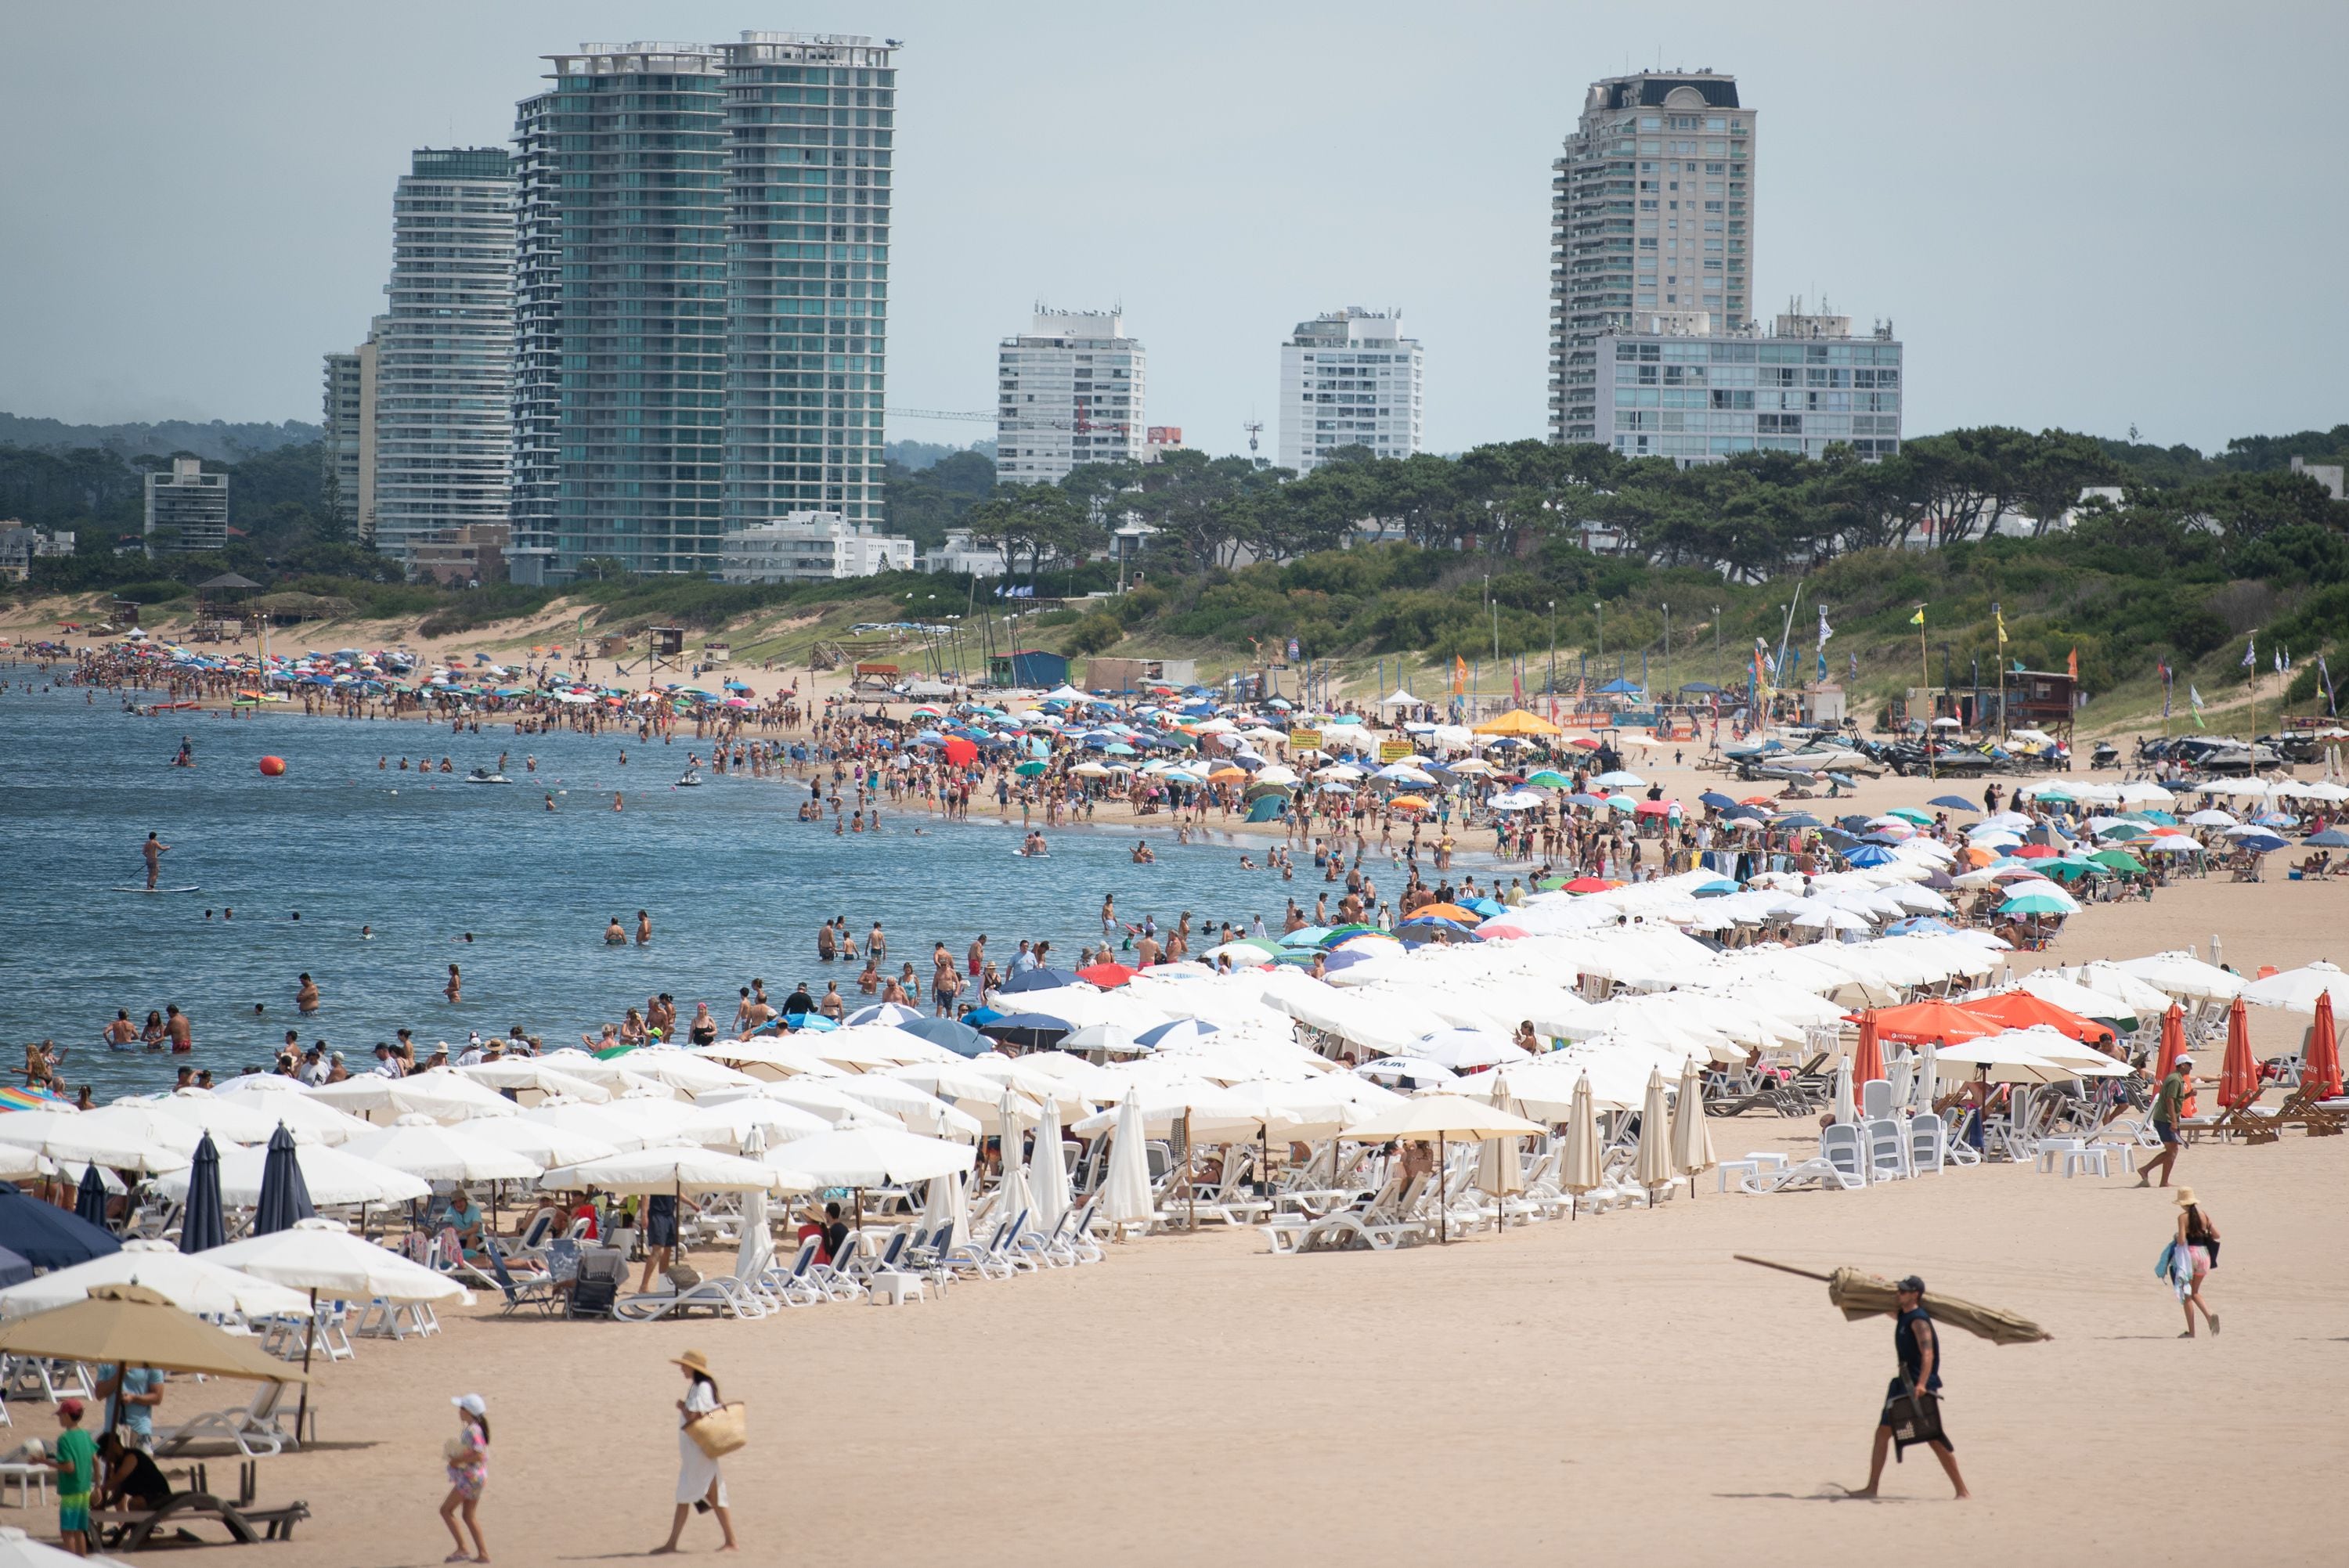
699	1483
2193	1254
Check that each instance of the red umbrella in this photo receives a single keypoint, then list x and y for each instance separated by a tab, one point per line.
2173	1046
2238	1075
1867	1061
1492	929
2321	1073
1590	884
2032	852
1107	976
962	751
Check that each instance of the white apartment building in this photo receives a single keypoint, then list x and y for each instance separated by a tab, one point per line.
962	554
1069	391
1348	378
349	444
188	507
811	547
444	350
1651	210
1674	386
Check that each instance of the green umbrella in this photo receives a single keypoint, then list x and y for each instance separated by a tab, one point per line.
1911	814
2072	870
2035	903
2119	861
1550	779
1029	770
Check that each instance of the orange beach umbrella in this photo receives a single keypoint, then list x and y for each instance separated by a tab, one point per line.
1867	1061
1944	1022
2238	1075
2022	1010
2320	1074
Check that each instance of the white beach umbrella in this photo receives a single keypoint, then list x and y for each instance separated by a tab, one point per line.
1927	1071
335	1179
1050	1182
2298	989
530	1076
1012	1196
756	1249
2183	974
1846	1109
573	1062
307	1118
919	1110
1691	1139
1651	1165
872	1157
120	1137
736	1123
435	1093
681	1070
1125	1193
1463	1049
1500	1166
1442	1116
18	1164
423	1148
655	1117
542	1141
945	1201
190	1281
822	1097
320	1255
244	1119
769	1056
598	1122
676	1167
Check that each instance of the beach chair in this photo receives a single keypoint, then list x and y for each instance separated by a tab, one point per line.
835	1276
2250	1122
42	1378
2304	1107
538	1291
602	1272
1082	1246
1929	1143
1887	1146
1389	1221
252	1430
1875	1099
789	1286
726	1295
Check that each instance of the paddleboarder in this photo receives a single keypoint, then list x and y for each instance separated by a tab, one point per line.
153	851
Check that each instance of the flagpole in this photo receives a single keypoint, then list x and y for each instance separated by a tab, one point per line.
1999	616
1925	666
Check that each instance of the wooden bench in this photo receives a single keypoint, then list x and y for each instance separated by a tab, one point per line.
129	1530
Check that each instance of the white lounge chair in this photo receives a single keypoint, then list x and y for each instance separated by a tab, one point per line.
253	1429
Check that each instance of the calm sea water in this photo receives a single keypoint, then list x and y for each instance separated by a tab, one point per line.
736	884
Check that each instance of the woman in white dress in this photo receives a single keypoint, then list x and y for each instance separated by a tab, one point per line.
699	1483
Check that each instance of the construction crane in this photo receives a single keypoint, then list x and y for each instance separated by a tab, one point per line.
989	416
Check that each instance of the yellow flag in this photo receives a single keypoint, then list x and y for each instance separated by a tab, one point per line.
2001	625
1919	618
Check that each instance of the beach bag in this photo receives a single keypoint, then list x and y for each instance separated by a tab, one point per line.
685	1276
1916	1419
722	1430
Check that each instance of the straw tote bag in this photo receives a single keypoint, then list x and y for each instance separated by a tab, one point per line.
722	1430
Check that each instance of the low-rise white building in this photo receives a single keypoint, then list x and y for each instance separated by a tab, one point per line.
20	546
962	554
812	547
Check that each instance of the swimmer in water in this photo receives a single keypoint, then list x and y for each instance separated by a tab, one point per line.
643	928
367	933
616	800
305	996
455	989
549	800
614	934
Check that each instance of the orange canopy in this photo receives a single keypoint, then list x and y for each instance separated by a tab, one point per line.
2020	1010
2321	1073
2238	1075
1867	1061
1944	1023
1446	912
2173	1046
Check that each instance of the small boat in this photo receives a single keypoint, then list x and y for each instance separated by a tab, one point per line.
484	776
690	779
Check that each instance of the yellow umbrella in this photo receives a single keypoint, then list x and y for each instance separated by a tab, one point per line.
1691	1139
1651	1167
1517	721
1858	1294
1408	803
132	1326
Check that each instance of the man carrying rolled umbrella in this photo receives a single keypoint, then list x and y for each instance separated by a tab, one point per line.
1912	1402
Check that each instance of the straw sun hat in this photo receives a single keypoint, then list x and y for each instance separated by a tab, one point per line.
692	1361
2185	1196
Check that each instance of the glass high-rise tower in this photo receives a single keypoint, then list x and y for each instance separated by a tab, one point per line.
702	283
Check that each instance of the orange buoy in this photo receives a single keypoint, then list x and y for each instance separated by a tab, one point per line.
271	766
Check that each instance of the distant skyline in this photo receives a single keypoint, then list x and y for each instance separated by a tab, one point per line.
2086	215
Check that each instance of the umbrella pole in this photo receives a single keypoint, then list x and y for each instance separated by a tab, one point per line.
1442	1209
1190	1188
309	1337
1782	1268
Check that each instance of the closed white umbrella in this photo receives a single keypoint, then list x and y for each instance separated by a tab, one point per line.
1691	1139
945	1201
1578	1166
1500	1169
1927	1071
1651	1165
189	1281
320	1255
1049	1181
423	1148
757	1249
1013	1198
333	1178
1126	1195
1847	1110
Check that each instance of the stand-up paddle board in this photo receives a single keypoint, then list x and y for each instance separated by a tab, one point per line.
156	889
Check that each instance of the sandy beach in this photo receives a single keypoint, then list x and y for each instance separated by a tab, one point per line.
1611	1385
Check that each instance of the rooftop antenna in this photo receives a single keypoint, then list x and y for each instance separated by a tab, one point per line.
1252	425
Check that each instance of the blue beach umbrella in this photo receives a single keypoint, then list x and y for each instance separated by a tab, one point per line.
201	1225
954	1036
89	1199
1040	978
285	1193
1872	855
47	1236
1953	803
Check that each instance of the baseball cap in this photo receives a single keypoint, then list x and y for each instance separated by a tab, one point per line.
1911	1282
72	1408
471	1404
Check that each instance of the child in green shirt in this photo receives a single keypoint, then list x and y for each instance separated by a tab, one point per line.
75	1456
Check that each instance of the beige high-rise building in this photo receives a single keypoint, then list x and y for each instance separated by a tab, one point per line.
1651	210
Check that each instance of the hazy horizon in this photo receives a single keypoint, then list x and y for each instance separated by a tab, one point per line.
2033	196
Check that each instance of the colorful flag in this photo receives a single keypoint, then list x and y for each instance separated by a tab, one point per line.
2001	616
1459	675
2072	664
2195	696
2251	652
1919	618
2326	677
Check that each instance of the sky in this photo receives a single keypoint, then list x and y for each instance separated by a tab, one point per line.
2054	204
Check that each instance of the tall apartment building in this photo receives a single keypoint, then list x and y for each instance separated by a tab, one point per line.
1652	209
1671	386
702	285
187	509
349	444
444	352
1069	391
1348	378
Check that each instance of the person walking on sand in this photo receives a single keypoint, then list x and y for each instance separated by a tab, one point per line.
468	1454
2168	1104
1919	1379
699	1483
2192	1253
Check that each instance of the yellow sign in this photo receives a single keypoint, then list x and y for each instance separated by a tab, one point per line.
1393	750
1305	741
